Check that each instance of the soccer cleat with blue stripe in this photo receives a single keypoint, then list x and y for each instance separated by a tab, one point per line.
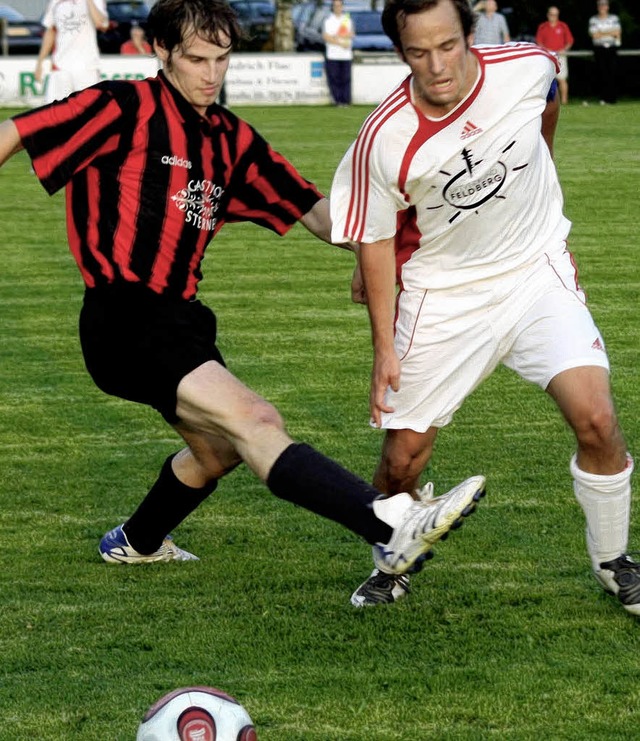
421	524
114	548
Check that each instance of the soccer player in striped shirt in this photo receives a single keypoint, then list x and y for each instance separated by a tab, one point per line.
152	171
451	192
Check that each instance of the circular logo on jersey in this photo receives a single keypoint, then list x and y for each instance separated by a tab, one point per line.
468	191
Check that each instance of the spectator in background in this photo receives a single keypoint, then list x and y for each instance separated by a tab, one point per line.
491	26
556	36
137	43
605	32
70	40
338	33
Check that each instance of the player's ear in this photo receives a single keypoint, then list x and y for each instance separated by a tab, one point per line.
161	52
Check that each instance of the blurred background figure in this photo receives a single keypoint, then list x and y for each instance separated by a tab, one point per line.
491	27
338	33
606	35
70	40
556	36
137	43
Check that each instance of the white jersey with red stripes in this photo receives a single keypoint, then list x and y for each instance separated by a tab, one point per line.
470	196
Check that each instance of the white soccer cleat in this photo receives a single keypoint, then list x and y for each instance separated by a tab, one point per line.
114	548
426	493
621	577
380	589
418	525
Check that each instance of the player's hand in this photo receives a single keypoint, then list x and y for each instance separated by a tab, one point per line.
385	374
358	293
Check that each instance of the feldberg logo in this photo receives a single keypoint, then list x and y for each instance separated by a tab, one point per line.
176	161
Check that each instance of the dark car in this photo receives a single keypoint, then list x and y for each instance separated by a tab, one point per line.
17	35
367	25
256	17
369	34
122	15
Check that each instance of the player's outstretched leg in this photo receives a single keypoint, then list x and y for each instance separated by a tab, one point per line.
417	526
114	548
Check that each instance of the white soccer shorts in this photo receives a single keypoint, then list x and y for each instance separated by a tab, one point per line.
536	323
62	83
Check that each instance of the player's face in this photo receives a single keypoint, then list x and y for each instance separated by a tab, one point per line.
196	69
437	51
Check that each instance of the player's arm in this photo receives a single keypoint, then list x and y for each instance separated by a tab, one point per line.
46	47
318	222
100	20
378	267
550	116
10	141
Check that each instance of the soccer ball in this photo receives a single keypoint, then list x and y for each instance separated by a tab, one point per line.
196	714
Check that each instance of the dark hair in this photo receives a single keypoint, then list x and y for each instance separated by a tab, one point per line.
172	22
395	13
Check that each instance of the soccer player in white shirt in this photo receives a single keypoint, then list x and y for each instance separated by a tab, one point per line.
70	39
452	194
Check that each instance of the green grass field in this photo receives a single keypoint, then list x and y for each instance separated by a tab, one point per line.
505	636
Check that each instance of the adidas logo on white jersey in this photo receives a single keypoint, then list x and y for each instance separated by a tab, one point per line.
469	130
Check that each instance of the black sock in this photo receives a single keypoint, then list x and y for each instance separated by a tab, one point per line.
309	479
166	505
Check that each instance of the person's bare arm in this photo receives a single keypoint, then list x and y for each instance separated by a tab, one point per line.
10	141
46	47
100	20
318	222
550	117
378	266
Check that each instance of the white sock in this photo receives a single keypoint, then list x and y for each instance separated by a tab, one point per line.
391	509
606	501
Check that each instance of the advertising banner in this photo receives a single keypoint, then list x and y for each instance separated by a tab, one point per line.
252	79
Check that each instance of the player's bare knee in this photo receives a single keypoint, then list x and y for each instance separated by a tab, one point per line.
264	415
401	466
598	427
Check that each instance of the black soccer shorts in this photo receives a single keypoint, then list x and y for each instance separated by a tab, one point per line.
138	345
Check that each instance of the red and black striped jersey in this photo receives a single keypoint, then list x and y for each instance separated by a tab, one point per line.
149	181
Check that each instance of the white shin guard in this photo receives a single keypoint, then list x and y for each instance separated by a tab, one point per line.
606	501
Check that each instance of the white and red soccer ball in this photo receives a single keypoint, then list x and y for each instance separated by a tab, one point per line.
196	714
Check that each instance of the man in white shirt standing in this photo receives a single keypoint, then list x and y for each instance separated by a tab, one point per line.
491	26
452	195
70	40
606	35
337	32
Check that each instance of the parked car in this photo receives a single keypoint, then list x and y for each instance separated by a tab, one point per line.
256	17
18	35
367	25
122	14
369	33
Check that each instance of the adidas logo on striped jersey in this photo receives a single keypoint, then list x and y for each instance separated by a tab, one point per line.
176	161
469	130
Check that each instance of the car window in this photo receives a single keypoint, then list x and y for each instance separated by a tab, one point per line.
10	14
367	23
127	11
